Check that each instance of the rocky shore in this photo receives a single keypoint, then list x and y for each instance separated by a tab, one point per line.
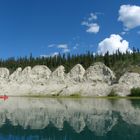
97	80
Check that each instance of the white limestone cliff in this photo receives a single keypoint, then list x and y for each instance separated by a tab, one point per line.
126	83
97	80
99	73
76	73
4	73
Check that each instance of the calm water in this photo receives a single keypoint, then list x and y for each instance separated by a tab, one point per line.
69	119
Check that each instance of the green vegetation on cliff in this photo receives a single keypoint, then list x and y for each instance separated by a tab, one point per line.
135	92
118	62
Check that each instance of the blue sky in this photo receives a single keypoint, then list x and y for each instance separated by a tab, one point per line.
47	27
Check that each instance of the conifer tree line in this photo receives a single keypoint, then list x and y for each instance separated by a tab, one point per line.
115	61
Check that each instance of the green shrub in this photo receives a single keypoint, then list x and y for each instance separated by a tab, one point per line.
76	95
135	92
112	93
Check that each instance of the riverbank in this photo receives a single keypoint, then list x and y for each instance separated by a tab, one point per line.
76	97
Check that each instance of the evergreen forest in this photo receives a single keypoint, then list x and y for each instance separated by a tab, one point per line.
118	62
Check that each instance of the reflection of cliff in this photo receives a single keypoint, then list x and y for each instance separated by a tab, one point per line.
129	112
97	115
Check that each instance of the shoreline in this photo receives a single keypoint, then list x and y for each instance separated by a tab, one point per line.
75	97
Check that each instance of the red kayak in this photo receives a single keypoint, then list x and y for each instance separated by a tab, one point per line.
3	97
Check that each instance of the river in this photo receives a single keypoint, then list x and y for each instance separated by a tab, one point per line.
69	119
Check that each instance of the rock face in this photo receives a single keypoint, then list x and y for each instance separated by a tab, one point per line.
40	74
95	81
4	73
126	83
58	76
76	73
130	79
26	75
99	73
15	76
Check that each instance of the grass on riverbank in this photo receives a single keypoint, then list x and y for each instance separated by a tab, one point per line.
74	96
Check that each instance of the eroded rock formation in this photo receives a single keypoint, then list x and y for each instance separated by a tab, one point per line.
126	83
97	80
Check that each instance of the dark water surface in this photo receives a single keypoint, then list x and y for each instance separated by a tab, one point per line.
69	119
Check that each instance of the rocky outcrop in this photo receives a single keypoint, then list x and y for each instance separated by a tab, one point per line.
131	79
4	73
126	83
99	73
15	76
25	76
57	76
40	74
76	73
97	80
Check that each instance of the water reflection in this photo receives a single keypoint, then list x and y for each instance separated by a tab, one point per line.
28	118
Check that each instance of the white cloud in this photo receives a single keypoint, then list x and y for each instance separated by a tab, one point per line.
50	55
44	55
123	33
92	27
55	54
92	17
66	50
62	46
112	44
75	46
129	15
51	45
85	23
